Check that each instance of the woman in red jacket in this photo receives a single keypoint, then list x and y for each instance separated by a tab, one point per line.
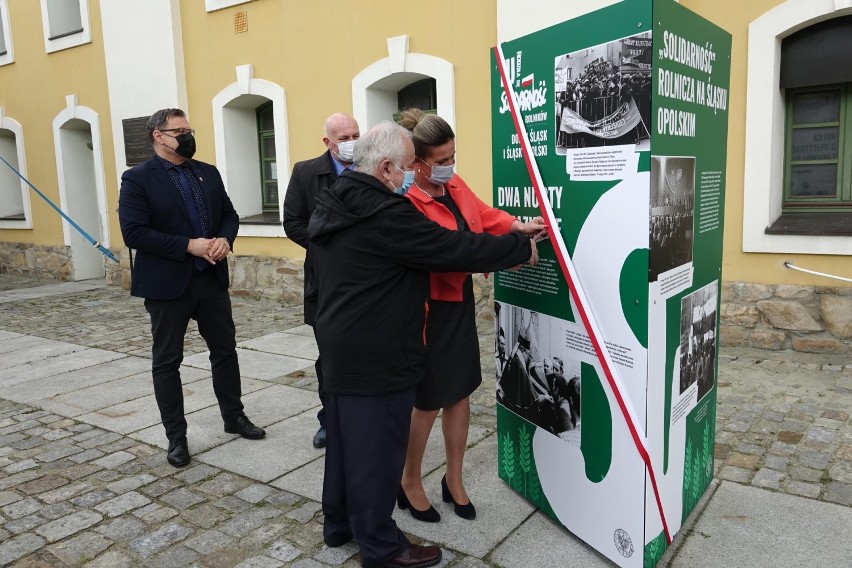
453	346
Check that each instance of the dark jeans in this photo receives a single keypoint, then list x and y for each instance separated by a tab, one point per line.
210	306
367	437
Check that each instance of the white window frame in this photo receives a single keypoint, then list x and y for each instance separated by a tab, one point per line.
9	56
227	146
375	88
66	42
763	182
213	5
15	127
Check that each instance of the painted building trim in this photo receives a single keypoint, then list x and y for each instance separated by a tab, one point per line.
231	157
213	5
69	41
15	127
764	129
70	112
374	88
9	56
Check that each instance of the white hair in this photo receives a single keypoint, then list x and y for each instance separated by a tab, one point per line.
385	141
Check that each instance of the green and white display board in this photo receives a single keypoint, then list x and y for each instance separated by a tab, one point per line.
613	127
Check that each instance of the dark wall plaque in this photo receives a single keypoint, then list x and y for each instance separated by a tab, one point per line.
137	148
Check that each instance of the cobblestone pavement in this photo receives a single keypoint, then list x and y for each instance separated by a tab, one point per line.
73	494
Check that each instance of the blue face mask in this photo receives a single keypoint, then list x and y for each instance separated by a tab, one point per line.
442	174
407	181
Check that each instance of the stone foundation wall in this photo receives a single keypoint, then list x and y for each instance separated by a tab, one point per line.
802	318
36	261
809	319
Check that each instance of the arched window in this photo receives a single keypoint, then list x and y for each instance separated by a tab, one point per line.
268	162
422	94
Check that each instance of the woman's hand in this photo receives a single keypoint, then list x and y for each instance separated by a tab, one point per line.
532	229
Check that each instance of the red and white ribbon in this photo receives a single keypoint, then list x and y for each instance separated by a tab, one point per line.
576	290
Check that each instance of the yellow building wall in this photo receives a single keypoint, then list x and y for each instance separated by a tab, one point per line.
32	92
735	16
314	49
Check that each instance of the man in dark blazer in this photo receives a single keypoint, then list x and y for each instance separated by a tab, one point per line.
175	212
308	179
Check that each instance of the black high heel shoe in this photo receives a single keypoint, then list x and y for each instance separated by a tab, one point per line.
430	515
464	511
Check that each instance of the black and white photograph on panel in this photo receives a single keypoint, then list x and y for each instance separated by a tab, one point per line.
698	332
537	378
603	95
672	213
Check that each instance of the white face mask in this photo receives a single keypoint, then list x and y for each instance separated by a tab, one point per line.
346	150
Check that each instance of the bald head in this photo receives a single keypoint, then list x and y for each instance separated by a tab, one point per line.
340	127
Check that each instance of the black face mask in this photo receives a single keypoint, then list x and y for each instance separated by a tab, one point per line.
186	145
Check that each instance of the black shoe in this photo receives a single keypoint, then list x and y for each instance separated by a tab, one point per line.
464	511
319	438
242	425
430	515
178	454
416	556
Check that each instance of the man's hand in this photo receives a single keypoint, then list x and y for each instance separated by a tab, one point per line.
534	228
201	248
534	256
219	248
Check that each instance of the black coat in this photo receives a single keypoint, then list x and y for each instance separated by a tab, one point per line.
155	222
374	251
309	178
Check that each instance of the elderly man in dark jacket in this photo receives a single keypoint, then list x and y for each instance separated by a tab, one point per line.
376	251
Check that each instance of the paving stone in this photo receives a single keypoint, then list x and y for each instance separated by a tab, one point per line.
768	478
814	459
197	473
255	493
92	498
83	547
752	449
839	493
209	541
790	437
260	562
155	514
223	484
182	498
57	434
86	456
59	453
68	525
112	559
22	465
7	497
114	459
821	435
65	493
233	504
205	516
811	490
121	529
122	504
149	544
79	471
808	474
16	479
835	415
284	551
18	547
130	483
286	498
160	487
241	524
336	556
742	460
776	462
264	535
57	510
21	508
841	471
738	474
25	524
173	557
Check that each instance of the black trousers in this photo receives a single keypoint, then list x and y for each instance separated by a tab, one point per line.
210	306
367	437
320	391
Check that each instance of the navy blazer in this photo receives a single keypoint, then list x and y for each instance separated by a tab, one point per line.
155	222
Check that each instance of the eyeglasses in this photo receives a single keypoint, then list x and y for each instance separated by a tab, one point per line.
180	131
